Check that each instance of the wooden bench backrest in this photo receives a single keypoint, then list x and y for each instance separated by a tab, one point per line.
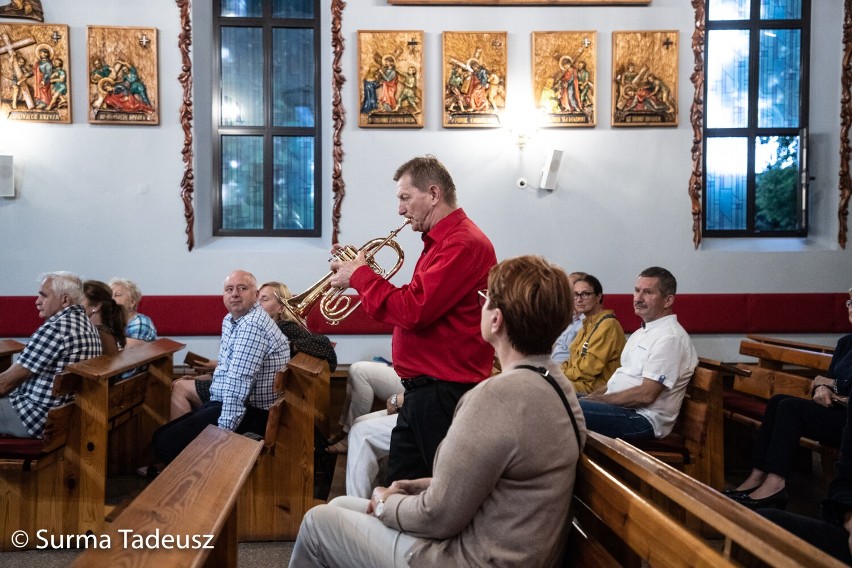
695	444
8	347
782	342
749	538
281	488
646	530
194	495
57	426
107	366
776	356
764	383
128	393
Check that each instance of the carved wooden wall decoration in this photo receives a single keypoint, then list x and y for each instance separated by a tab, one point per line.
338	115
845	184
187	183
696	116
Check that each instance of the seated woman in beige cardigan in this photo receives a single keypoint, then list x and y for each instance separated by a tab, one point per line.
503	476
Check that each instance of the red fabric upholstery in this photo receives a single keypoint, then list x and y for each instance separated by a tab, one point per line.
20	448
18	316
177	316
184	315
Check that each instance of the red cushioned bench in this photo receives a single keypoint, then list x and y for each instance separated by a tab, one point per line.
182	316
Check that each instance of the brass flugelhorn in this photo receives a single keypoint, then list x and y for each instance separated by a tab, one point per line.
333	304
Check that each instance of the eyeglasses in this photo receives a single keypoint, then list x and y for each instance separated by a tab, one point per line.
849	303
483	298
583	295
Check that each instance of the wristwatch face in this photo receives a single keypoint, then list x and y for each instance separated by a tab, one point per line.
380	508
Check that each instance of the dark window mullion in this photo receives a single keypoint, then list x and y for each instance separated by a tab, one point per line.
750	131
268	151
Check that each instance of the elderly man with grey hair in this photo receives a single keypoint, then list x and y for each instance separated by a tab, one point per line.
67	336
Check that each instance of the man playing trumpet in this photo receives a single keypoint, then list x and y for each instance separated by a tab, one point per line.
438	350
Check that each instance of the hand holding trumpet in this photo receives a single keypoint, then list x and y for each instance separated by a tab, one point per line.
343	269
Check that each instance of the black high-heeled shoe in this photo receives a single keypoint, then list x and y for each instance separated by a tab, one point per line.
775	501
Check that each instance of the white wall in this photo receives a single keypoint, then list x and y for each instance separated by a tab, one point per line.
104	200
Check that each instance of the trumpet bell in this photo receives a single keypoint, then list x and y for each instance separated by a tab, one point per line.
334	305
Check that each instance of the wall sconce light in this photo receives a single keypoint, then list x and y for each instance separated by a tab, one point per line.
522	126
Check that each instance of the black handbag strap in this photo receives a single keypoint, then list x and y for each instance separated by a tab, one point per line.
549	378
594	329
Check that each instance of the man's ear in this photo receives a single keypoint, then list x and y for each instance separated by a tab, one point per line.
66	300
435	193
669	301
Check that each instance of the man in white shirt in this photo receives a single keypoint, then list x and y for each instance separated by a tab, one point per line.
643	397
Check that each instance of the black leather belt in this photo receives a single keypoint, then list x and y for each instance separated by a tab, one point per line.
418	382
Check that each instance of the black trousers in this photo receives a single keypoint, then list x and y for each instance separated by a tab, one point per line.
787	418
830	538
170	439
424	419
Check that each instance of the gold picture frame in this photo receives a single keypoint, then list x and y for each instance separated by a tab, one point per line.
645	78
474	67
35	82
564	68
390	79
123	75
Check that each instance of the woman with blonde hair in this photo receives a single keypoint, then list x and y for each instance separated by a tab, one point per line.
189	393
140	329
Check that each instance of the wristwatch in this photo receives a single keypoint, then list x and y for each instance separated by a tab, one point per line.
379	508
393	400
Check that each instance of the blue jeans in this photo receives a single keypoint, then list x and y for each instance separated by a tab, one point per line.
616	421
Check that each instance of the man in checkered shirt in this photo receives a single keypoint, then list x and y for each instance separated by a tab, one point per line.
67	336
251	351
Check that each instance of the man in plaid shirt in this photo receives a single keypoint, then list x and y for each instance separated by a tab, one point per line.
67	336
251	351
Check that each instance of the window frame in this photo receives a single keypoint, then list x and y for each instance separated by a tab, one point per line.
754	25
267	131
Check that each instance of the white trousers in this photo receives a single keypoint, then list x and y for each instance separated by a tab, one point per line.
369	446
367	380
342	534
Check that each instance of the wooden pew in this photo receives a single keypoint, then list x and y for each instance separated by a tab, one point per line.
195	495
633	510
779	370
695	446
281	487
789	359
67	493
8	347
783	342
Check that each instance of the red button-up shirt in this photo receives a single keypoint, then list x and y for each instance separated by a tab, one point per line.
436	317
